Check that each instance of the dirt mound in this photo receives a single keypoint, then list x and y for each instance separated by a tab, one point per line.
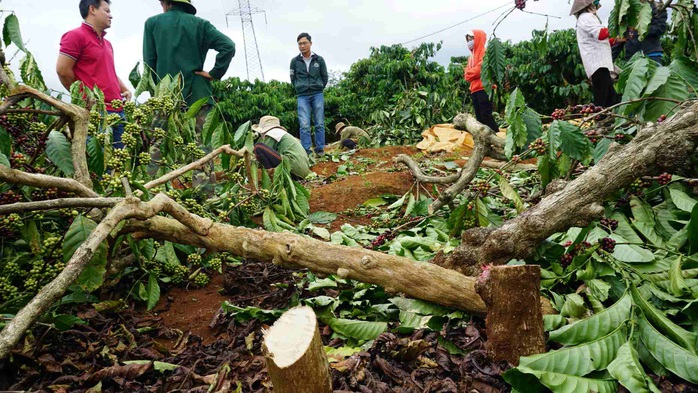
353	191
369	159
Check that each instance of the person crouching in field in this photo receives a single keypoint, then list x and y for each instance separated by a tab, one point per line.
595	48
276	145
349	136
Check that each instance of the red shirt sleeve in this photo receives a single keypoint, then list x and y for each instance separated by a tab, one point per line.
71	45
603	34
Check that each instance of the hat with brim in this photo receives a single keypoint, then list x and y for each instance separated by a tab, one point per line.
186	4
580	5
339	127
267	123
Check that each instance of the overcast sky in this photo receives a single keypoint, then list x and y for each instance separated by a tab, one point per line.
342	30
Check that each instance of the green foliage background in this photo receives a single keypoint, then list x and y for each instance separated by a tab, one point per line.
398	92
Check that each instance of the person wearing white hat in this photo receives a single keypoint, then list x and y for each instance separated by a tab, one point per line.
595	49
276	145
350	136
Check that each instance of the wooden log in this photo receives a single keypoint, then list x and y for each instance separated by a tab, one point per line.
295	356
514	316
417	280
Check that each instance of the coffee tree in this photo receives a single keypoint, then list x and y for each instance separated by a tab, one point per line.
607	213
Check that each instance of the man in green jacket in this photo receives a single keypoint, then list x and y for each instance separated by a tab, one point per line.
277	145
309	77
176	42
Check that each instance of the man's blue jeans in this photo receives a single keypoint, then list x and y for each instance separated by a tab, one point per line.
118	131
314	104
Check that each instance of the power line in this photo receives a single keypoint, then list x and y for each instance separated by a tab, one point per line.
458	24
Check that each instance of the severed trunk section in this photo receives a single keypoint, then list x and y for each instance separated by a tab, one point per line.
295	356
514	316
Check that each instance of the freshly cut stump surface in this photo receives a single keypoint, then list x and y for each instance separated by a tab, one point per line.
295	356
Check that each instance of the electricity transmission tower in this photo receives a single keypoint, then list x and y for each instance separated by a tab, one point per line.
253	60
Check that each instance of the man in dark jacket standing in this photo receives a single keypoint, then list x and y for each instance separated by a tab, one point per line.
309	78
651	46
176	42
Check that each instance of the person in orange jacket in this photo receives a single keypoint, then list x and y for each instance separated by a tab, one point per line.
481	102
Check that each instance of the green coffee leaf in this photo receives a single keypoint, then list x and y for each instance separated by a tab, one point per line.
597	325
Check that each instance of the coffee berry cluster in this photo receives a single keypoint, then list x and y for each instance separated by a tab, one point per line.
612	225
539	146
664	179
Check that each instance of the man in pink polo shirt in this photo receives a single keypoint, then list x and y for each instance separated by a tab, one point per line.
86	56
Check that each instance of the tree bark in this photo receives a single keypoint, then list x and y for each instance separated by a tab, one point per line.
53	204
419	280
656	149
295	356
514	316
44	181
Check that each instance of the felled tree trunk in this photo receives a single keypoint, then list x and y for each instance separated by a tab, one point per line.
295	356
514	317
657	148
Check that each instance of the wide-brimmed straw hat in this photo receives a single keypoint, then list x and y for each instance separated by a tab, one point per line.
579	5
267	123
339	127
188	7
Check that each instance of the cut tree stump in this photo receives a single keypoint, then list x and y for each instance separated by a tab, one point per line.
295	356
514	316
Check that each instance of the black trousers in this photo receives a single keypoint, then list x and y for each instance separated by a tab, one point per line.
349	144
602	87
483	110
268	157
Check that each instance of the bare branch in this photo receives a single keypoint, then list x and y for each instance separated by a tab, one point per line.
163	203
127	187
64	203
484	142
11	101
44	181
198	164
420	176
396	274
664	5
417	172
34	111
